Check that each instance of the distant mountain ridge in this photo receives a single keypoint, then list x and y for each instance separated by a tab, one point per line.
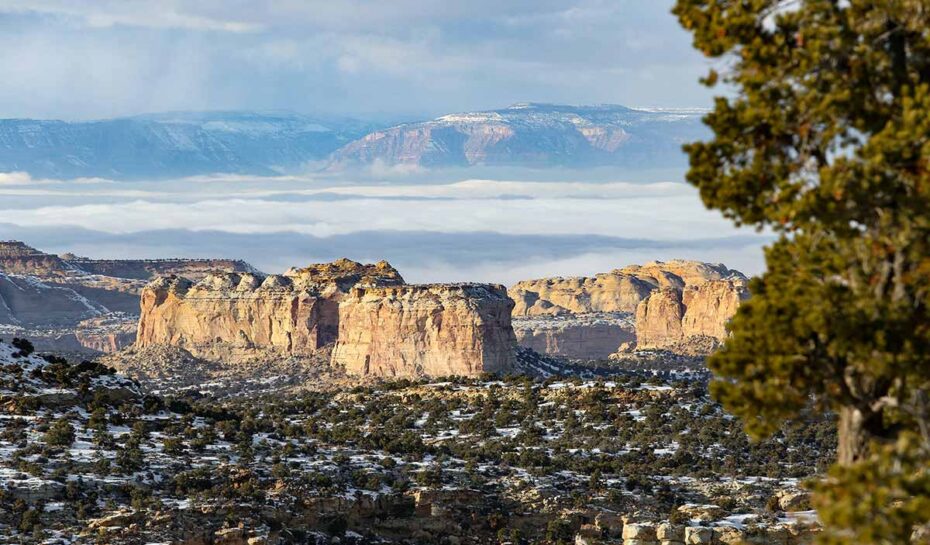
536	135
191	143
172	144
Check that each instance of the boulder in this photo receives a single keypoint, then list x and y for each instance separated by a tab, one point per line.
794	500
698	535
728	535
667	531
639	531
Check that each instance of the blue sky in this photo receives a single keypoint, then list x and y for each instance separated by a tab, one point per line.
395	59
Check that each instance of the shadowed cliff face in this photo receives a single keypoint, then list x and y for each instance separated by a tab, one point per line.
379	325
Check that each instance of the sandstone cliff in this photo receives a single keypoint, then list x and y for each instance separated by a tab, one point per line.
229	316
608	292
692	319
379	325
620	290
583	336
571	316
19	258
432	330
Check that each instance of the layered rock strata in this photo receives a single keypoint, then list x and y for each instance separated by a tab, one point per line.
582	336
48	298
431	330
672	318
620	290
230	316
572	317
378	325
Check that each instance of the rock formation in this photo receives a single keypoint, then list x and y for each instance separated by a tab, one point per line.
620	290
379	325
685	320
608	292
434	330
19	258
583	336
571	316
50	298
227	316
106	334
146	269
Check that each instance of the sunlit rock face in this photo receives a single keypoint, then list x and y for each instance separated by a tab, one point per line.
377	325
426	330
685	320
643	306
231	316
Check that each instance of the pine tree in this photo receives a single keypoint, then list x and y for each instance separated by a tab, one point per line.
824	139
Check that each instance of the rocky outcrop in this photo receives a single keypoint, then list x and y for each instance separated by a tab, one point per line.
19	258
379	325
106	334
146	269
620	290
431	330
788	532
81	306
229	316
676	319
608	292
571	316
584	336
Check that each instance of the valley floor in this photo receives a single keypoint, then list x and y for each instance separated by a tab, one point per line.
85	456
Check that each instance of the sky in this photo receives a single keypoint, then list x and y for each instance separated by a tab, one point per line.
390	59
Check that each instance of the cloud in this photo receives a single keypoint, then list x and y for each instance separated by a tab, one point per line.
163	14
478	229
661	211
420	256
404	58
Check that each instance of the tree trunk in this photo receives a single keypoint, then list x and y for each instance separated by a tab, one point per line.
853	440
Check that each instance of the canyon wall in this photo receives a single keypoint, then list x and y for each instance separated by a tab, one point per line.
680	305
231	316
690	320
620	290
584	336
378	325
430	330
50	298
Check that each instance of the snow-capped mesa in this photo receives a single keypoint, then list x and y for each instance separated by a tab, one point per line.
532	135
